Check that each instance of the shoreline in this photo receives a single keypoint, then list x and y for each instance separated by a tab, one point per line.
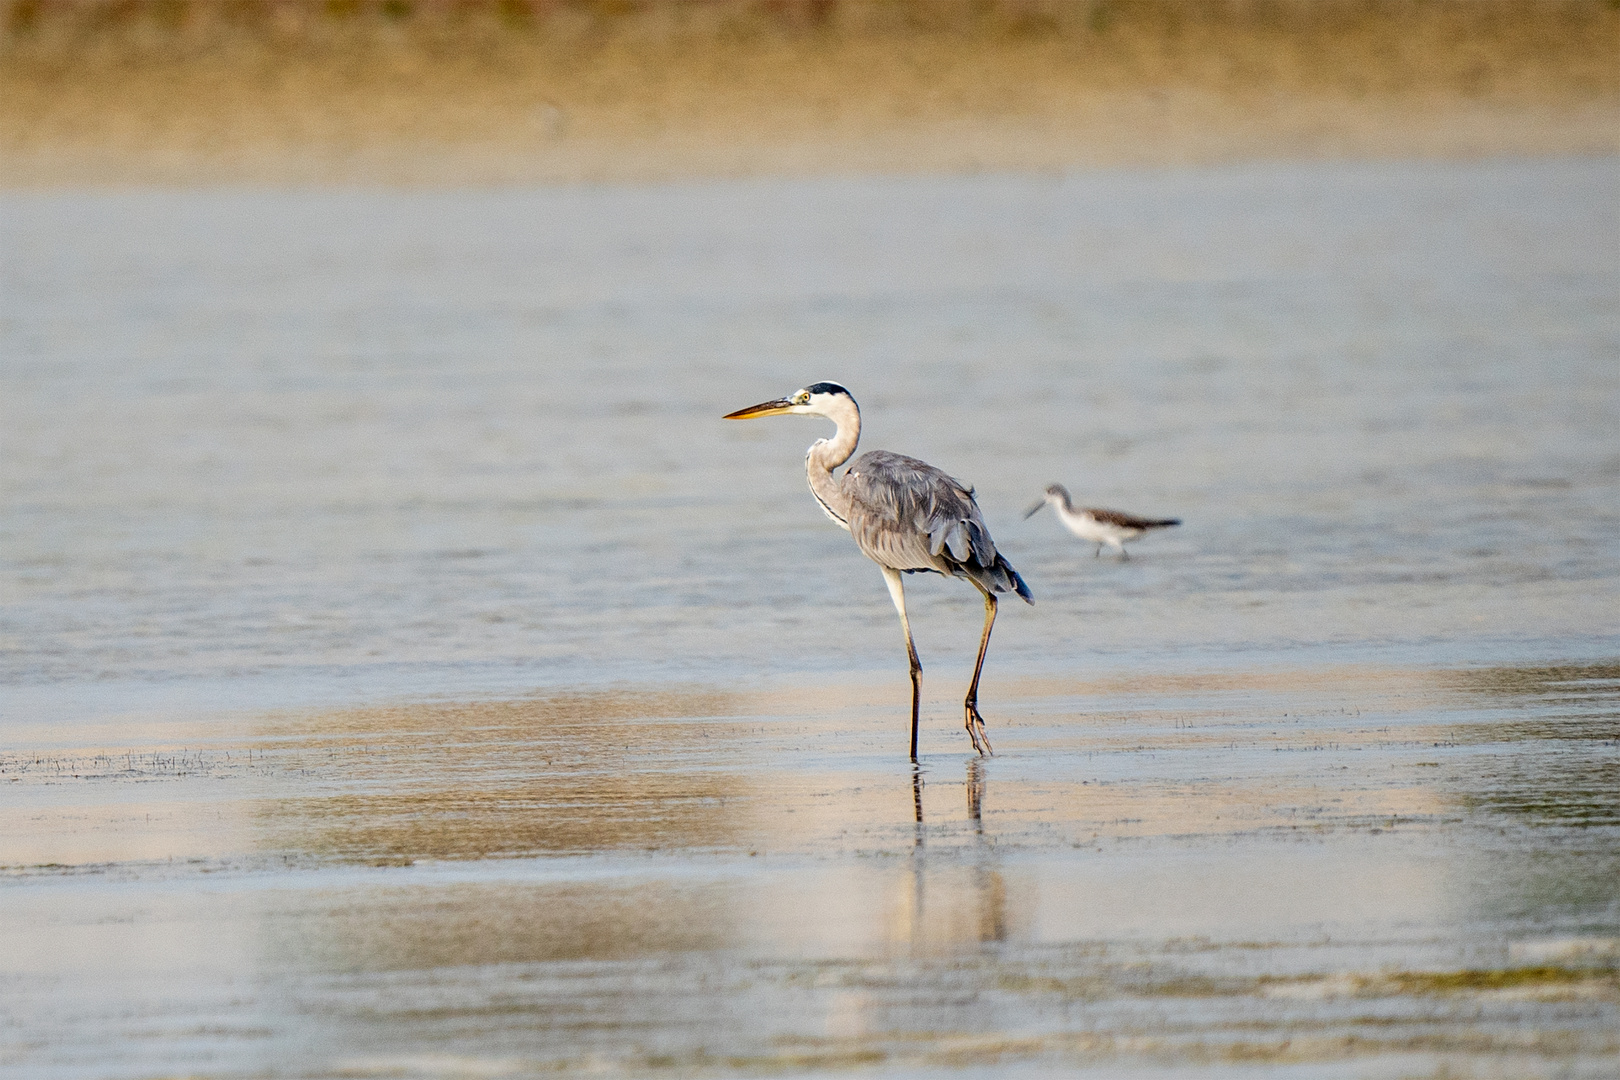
1301	134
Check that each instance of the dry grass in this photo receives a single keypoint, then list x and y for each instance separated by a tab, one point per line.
170	91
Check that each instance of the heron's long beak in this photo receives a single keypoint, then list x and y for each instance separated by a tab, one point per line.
764	408
1032	511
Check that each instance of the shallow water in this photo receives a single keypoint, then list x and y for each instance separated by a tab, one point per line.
407	673
317	442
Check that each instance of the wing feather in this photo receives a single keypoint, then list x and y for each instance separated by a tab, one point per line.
907	515
1130	521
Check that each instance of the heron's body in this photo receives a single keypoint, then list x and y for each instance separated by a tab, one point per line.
906	516
1099	526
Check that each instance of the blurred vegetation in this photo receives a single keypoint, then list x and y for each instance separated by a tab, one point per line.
570	89
1472	46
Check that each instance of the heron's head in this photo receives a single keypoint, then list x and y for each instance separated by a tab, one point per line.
818	399
1056	494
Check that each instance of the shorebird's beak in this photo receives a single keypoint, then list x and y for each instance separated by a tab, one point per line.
764	408
1032	511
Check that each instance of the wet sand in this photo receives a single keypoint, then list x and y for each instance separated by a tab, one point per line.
1367	871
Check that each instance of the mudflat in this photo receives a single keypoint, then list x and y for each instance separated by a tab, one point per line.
1392	872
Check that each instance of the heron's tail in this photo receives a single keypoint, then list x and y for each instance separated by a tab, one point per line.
964	545
1000	577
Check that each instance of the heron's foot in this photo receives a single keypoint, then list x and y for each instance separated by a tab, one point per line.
975	728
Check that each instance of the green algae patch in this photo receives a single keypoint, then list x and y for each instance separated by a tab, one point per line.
1452	982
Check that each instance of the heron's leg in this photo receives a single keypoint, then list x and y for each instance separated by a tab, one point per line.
897	591
975	722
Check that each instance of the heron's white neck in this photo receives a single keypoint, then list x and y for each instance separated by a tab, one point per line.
825	455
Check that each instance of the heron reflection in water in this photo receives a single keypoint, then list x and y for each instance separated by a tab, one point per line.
987	919
906	516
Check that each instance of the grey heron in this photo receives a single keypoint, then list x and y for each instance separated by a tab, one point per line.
1111	527
906	516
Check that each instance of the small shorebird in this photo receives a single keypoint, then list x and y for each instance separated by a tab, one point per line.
1099	526
906	516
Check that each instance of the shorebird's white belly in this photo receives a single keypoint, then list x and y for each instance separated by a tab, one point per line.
1089	528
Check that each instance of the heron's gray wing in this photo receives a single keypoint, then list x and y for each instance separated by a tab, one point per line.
908	515
889	495
1130	521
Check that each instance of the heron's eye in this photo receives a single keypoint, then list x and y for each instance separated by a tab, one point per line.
801	398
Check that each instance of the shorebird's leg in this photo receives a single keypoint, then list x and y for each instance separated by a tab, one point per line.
897	592
1124	556
1098	553
975	722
